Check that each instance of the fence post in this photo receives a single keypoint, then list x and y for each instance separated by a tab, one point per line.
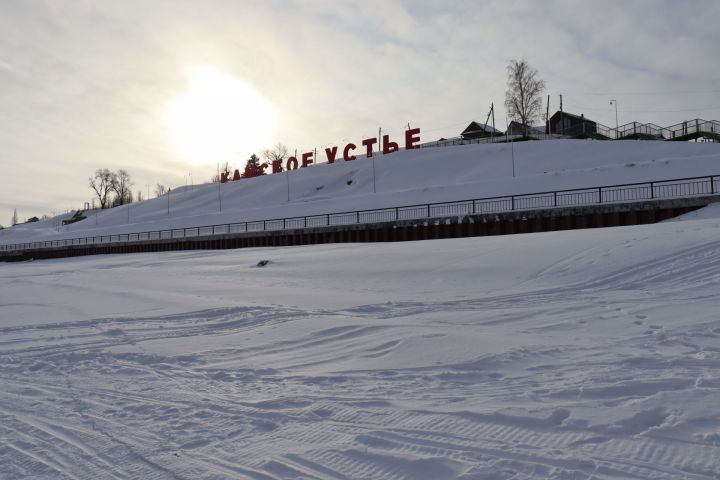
327	220
554	199
712	185
264	225
428	211
599	194
357	217
512	202
397	214
652	190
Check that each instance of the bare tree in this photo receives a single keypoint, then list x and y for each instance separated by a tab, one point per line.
276	154
122	186
523	99
161	190
102	184
223	169
14	218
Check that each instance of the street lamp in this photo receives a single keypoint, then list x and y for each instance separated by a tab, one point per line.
614	102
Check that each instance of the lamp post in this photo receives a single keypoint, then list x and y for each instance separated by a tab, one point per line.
617	132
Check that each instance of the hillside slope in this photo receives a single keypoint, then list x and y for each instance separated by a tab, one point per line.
402	178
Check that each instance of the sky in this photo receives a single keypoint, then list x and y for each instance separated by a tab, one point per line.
168	89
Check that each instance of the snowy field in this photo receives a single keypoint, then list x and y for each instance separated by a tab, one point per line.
590	354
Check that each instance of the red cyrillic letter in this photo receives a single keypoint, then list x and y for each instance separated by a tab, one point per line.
388	146
261	170
369	142
277	166
331	154
292	161
236	175
249	171
307	159
348	147
223	177
411	139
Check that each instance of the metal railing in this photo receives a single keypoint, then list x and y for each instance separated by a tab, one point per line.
682	130
630	192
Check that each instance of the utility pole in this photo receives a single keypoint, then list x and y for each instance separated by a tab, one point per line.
617	128
492	109
562	124
547	117
219	188
512	147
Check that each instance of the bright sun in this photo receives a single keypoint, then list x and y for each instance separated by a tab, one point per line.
219	119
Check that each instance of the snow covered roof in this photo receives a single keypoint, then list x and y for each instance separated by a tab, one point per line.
476	128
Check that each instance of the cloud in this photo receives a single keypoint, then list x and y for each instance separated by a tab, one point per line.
83	85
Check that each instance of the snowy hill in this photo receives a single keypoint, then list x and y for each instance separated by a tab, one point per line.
402	178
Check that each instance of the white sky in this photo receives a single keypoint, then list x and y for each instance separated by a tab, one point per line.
88	84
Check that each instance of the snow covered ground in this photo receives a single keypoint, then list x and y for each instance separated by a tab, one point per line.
587	354
403	178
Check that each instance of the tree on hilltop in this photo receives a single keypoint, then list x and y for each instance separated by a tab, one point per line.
276	154
523	99
103	183
253	168
122	185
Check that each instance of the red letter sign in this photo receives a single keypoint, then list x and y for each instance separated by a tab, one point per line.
369	143
292	163
307	159
411	139
348	147
388	146
277	166
331	154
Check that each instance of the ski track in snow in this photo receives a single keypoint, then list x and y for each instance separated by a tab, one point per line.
592	355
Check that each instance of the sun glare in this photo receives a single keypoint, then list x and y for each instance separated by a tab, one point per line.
219	119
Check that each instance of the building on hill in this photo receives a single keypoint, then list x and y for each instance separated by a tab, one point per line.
517	128
479	130
563	123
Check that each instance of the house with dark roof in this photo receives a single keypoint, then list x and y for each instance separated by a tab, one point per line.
479	130
564	123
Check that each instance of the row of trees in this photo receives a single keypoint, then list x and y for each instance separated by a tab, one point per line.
115	188
111	188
